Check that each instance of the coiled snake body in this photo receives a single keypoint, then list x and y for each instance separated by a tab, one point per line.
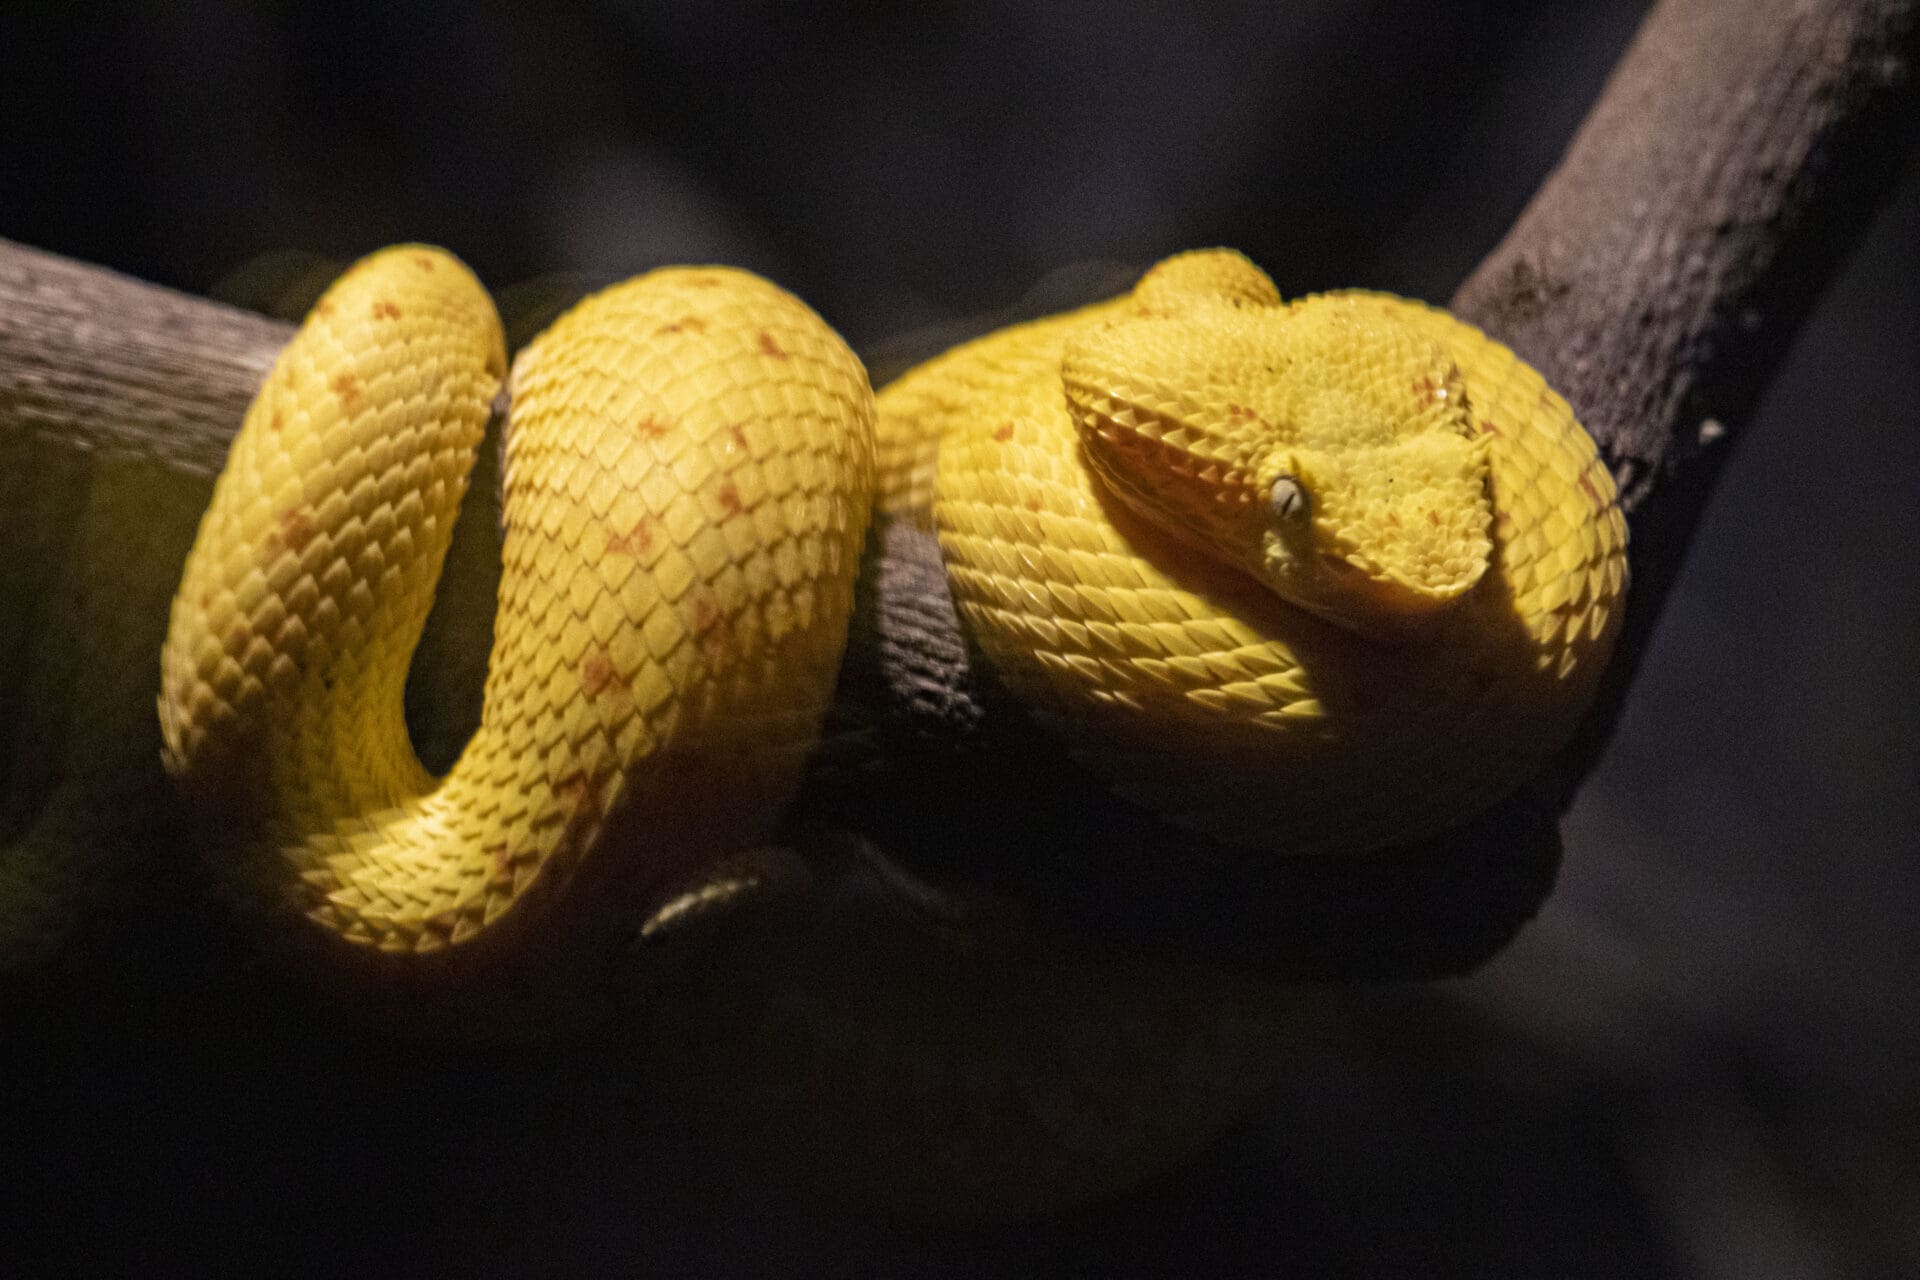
1321	576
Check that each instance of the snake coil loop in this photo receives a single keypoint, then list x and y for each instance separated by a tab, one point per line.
1319	576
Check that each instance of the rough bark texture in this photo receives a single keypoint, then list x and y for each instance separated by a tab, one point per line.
1659	276
99	361
1656	279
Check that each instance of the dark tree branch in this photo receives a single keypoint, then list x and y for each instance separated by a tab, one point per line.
1656	280
99	361
1659	276
1660	272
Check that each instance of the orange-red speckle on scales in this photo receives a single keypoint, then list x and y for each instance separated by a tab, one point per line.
588	811
768	346
712	632
706	615
1003	432
1593	494
685	324
502	860
597	674
347	387
635	541
296	530
384	310
583	797
651	428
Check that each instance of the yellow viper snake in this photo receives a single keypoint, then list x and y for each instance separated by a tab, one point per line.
1319	576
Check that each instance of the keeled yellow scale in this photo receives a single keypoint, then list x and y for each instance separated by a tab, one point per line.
687	476
1178	674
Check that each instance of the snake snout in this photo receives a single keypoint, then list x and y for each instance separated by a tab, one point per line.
1398	533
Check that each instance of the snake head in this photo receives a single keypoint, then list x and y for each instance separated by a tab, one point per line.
1323	446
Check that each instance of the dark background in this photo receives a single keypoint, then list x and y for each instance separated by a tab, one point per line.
1701	1060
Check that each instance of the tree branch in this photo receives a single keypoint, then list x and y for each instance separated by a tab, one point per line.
1659	276
99	361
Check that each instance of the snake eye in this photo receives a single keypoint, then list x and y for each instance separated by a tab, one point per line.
1287	500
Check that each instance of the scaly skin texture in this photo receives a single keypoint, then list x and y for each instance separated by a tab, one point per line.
1409	640
1320	576
687	471
997	1084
